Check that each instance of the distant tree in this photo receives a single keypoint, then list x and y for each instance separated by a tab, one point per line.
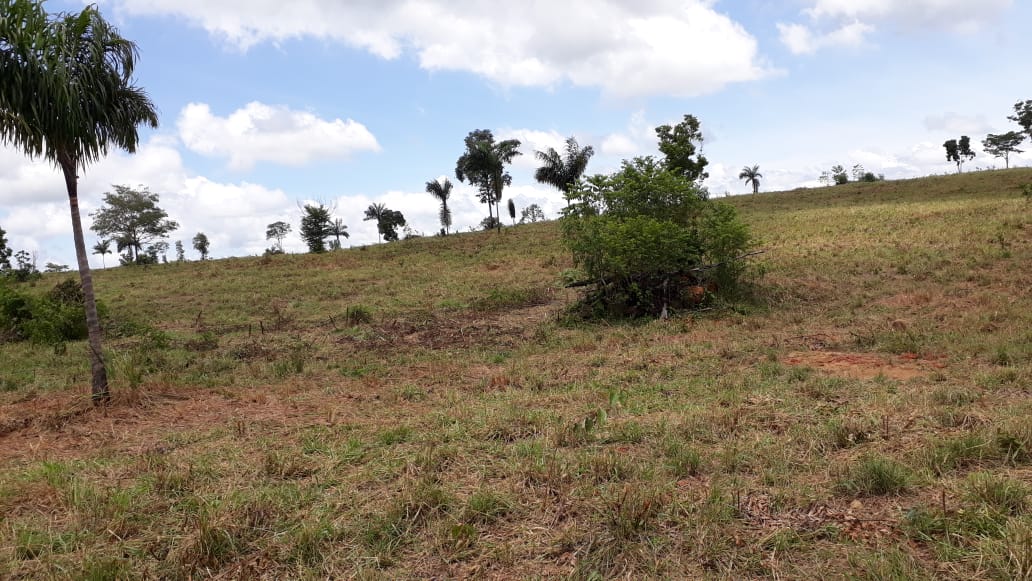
315	227
825	178
25	269
839	175
959	151
67	95
679	145
512	211
5	252
158	249
1003	145
442	191
133	219
338	229
490	223
54	267
180	253
752	176
375	212
201	244
563	171
483	164
102	247
390	221
532	213
858	173
277	231
1023	116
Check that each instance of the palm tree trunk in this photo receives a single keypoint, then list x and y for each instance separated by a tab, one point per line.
99	383
755	187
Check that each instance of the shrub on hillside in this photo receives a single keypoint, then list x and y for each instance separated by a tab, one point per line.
646	240
53	318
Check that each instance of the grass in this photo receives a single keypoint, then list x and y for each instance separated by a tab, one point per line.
427	408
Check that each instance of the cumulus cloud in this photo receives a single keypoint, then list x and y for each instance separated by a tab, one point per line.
836	23
955	123
270	133
669	47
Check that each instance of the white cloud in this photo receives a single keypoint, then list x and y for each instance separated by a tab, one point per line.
955	123
852	21
260	132
670	47
801	40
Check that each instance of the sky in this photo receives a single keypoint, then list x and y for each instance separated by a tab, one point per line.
266	105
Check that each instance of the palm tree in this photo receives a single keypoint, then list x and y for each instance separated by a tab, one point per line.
442	191
483	164
560	171
751	175
102	248
337	229
375	212
67	96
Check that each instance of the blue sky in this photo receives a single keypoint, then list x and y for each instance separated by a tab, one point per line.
267	104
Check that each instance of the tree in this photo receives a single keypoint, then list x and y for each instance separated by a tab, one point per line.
387	221
1003	145
563	171
5	253
483	164
442	191
752	176
180	253
315	227
679	144
102	247
959	151
512	211
839	175
375	212
133	219
54	267
200	244
67	96
338	229
531	213
277	231
1023	116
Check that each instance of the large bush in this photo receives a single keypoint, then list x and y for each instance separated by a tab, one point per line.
647	239
55	317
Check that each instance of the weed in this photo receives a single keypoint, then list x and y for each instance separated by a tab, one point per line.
845	433
998	493
486	506
633	510
947	455
358	315
875	476
607	466
1014	440
953	396
396	435
682	460
285	466
889	565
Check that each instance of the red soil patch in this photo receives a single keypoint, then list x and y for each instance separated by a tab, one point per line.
865	365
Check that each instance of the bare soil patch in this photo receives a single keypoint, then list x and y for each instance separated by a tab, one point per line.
865	365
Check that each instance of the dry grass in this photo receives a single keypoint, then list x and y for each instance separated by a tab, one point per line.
424	409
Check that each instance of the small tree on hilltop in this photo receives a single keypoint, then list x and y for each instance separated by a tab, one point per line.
103	248
389	223
1023	116
201	244
442	191
180	253
5	253
512	211
752	176
1003	145
376	212
277	231
839	175
338	229
483	165
315	227
134	220
959	151
532	213
563	171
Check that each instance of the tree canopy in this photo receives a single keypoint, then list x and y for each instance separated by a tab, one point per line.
681	145
277	231
201	244
563	170
752	176
441	191
483	165
1023	116
1003	145
316	226
133	219
959	151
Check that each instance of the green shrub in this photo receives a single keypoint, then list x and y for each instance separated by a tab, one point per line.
646	239
53	318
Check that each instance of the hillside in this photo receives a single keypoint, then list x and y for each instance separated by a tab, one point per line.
424	409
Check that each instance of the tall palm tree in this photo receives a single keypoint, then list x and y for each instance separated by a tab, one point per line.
102	248
751	175
483	164
337	229
563	171
375	212
442	191
67	96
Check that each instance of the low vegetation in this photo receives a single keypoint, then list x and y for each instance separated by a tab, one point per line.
430	408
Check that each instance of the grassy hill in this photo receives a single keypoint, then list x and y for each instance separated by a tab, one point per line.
424	409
